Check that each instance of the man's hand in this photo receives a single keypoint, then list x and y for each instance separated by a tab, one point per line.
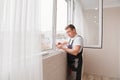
59	45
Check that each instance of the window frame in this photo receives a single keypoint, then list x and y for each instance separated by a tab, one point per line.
54	18
100	44
54	24
70	20
100	40
53	13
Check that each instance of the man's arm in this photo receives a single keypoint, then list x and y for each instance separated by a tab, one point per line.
61	44
73	51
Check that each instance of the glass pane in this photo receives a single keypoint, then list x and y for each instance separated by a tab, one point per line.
61	20
92	23
46	24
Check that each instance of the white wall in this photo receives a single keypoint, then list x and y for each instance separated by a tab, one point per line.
106	61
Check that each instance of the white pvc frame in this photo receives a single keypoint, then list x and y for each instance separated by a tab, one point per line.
99	46
71	18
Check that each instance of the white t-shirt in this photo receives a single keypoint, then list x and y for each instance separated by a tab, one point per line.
78	40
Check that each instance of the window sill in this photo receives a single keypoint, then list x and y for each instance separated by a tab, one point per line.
50	53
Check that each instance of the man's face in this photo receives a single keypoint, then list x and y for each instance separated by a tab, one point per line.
70	32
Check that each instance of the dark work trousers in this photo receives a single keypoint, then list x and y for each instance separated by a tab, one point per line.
74	65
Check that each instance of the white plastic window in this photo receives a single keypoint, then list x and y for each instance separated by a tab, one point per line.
46	24
61	20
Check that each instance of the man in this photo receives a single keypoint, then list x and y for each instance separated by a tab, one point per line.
74	51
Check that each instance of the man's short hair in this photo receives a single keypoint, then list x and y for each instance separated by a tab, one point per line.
71	26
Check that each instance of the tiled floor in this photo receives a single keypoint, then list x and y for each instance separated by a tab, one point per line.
96	77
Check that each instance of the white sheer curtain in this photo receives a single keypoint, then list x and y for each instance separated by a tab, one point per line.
19	40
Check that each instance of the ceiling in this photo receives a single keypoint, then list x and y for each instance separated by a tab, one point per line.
94	3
